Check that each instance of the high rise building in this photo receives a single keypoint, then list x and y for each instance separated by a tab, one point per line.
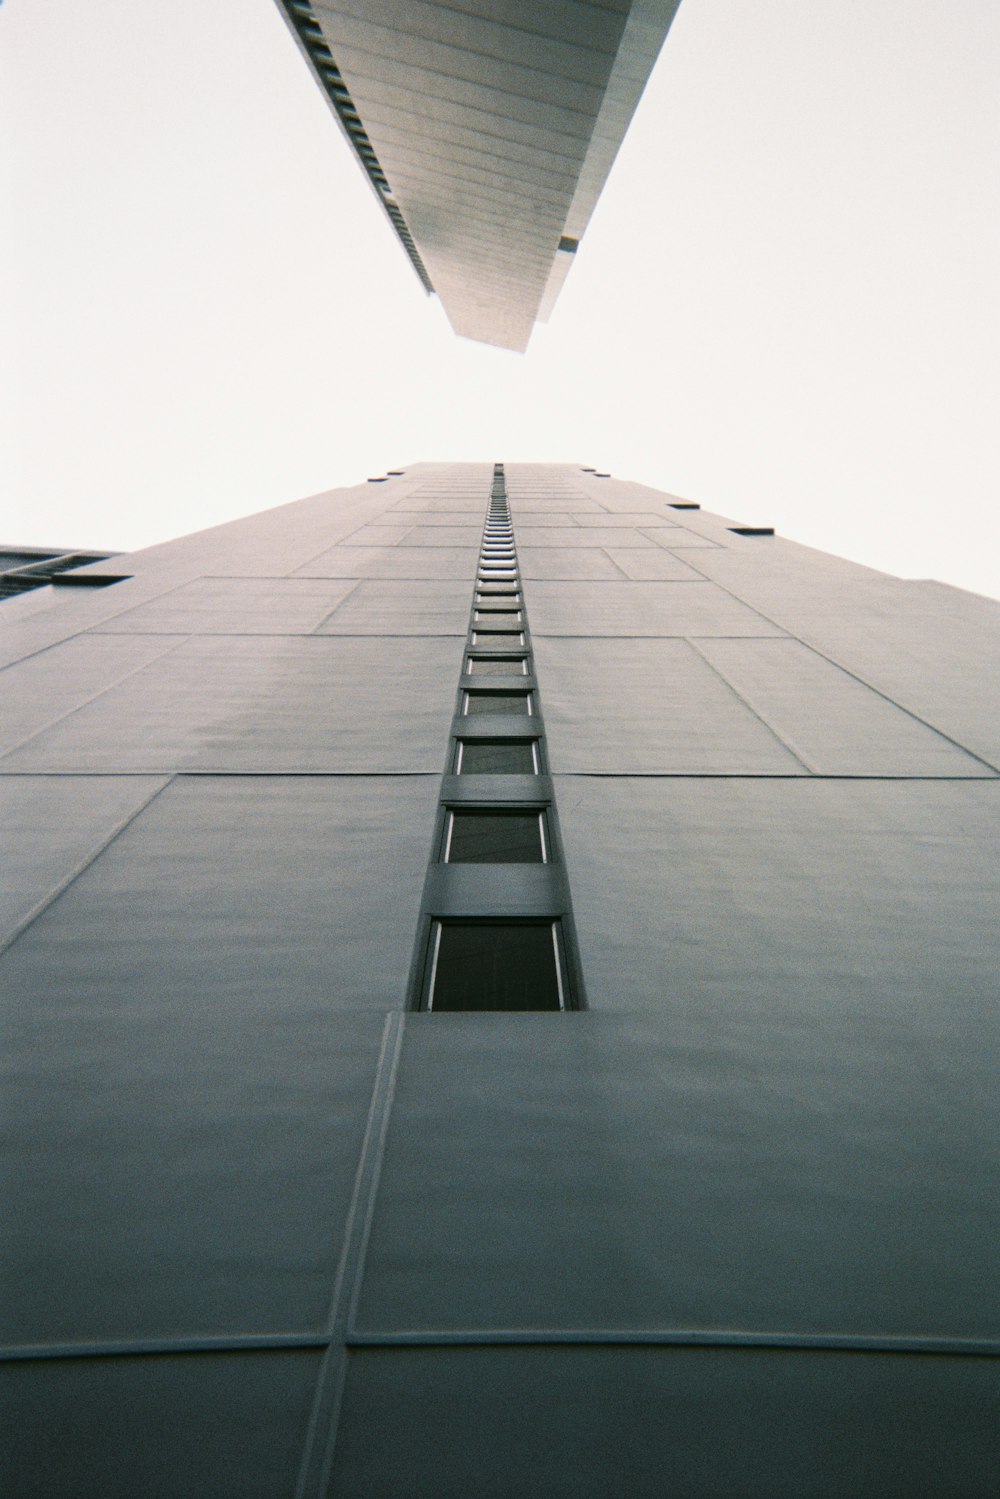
500	999
486	131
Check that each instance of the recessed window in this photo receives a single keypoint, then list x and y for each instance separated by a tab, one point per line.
495	965
498	617
497	590
497	757
475	836
497	666
752	530
476	701
497	637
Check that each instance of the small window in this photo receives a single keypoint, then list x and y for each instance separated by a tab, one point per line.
495	965
497	617
499	638
497	757
497	590
474	836
752	530
497	666
476	701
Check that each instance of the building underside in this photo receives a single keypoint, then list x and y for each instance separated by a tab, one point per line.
487	132
500	976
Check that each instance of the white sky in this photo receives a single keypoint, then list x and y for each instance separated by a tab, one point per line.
786	306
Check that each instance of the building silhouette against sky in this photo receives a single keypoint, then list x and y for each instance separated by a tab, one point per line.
487	133
499	965
499	983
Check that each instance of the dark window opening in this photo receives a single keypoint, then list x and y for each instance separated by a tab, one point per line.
498	666
497	702
683	505
494	965
488	837
498	638
752	530
497	757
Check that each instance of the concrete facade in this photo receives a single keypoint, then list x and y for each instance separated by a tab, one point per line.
487	132
724	1224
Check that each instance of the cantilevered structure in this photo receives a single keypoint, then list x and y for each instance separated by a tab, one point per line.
487	129
499	984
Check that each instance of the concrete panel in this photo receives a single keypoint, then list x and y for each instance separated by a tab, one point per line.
832	721
377	536
392	562
678	537
928	647
649	707
398	608
183	1014
234	606
595	536
269	704
585	1423
426	518
455	508
526	520
161	1427
816	895
51	826
638	609
651	565
45	687
575	564
630	518
560	507
445	536
696	1166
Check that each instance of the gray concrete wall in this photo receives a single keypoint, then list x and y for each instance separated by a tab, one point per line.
729	1230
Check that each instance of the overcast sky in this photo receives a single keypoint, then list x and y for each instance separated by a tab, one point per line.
786	305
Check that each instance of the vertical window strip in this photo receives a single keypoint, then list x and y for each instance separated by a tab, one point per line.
489	961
